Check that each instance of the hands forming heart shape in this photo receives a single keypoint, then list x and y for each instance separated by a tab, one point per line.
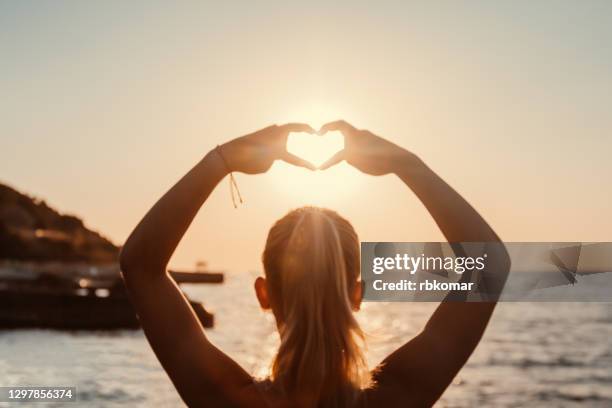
313	148
371	154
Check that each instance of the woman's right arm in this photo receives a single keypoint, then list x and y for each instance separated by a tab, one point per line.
424	367
203	374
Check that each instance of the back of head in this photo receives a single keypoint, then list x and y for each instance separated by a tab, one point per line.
311	261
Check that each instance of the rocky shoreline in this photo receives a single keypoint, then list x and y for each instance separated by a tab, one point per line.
30	230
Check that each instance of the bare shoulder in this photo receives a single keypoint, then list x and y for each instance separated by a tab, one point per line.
262	394
389	394
398	381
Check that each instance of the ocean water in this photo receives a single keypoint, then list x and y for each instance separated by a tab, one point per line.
533	354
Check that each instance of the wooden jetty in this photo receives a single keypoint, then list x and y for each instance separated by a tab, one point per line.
197	277
83	301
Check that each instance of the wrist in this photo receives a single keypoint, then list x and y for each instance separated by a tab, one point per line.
407	164
215	164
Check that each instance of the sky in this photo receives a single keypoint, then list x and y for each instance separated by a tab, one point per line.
106	104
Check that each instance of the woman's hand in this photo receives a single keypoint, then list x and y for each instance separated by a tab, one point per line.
365	151
255	153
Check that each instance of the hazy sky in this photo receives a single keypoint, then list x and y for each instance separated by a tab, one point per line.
106	104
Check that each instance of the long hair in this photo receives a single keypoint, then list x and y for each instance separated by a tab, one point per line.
311	262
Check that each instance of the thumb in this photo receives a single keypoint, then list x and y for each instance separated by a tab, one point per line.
297	161
335	159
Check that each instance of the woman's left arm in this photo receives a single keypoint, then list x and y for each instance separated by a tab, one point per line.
201	373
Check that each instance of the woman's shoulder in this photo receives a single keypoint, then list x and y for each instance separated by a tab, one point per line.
368	398
387	395
386	391
270	394
381	394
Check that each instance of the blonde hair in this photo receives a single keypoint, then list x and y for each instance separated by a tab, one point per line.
311	262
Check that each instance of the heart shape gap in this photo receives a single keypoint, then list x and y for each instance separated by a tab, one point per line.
314	148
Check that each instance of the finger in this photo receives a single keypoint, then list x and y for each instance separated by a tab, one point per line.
297	161
335	159
340	125
298	127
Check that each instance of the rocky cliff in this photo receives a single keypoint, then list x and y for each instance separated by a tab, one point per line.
30	230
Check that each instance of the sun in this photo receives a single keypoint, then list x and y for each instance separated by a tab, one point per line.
334	186
319	187
315	148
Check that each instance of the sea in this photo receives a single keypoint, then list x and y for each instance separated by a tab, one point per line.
532	355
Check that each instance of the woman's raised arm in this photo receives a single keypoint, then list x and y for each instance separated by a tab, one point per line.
423	368
201	373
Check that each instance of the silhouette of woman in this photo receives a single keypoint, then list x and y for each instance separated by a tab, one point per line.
311	284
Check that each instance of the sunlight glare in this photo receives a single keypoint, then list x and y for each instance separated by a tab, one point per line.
314	148
333	187
328	188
